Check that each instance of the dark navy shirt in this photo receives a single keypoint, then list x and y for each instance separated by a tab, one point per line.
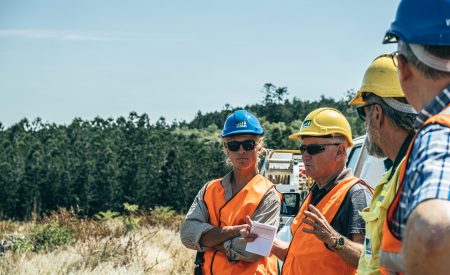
347	220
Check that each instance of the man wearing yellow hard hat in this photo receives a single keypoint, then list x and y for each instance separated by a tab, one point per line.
389	121
327	232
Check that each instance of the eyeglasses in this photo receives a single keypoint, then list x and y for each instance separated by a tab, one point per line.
314	149
248	145
393	56
362	111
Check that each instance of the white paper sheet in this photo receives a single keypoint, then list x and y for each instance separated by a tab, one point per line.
263	243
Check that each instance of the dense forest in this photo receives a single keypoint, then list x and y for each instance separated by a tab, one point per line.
98	165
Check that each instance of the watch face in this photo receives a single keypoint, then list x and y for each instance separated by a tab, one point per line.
340	241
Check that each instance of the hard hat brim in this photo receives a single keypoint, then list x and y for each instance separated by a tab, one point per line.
390	37
244	132
312	134
357	100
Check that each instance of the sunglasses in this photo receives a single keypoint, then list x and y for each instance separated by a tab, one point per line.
362	111
248	145
314	149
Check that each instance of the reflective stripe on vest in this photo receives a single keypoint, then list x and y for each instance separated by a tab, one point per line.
234	212
390	257
307	254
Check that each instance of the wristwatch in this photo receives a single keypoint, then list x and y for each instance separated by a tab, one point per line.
340	242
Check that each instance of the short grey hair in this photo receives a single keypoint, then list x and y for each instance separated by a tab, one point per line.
401	120
337	138
438	51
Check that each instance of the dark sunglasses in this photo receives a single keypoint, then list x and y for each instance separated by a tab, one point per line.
314	149
362	111
248	145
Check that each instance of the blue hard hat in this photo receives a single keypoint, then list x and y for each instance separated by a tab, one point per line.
424	22
241	122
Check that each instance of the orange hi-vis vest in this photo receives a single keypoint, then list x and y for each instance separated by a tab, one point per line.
234	212
390	259
307	254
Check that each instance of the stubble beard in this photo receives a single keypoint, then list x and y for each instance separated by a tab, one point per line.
372	137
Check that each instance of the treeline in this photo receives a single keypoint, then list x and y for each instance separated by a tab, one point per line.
100	164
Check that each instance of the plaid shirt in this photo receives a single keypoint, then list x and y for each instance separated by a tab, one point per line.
428	171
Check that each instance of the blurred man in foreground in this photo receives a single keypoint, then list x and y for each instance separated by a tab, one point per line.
416	235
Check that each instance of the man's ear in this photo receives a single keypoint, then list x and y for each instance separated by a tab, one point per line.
341	151
404	70
378	115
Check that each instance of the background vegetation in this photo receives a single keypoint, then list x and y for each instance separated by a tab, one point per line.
98	165
136	242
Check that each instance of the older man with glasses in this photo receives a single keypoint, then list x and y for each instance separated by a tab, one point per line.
389	123
218	213
416	234
327	232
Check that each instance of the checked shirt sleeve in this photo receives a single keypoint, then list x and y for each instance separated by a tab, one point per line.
428	173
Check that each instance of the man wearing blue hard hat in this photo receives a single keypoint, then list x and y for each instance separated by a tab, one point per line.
212	225
416	232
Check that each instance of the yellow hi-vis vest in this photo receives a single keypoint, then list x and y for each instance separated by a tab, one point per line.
374	216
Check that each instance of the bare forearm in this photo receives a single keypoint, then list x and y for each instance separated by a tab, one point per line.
220	248
218	235
426	245
280	249
351	252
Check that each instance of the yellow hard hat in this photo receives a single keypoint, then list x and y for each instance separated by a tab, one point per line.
324	122
381	78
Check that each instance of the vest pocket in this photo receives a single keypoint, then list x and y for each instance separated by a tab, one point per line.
372	237
369	216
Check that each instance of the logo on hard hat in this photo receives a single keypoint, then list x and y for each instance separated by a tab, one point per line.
241	124
307	123
447	21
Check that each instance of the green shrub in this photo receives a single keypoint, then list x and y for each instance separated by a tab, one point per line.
20	244
131	208
163	214
107	215
130	220
50	236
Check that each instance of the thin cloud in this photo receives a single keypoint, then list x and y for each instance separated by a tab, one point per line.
85	37
51	34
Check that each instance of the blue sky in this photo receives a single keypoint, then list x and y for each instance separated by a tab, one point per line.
65	59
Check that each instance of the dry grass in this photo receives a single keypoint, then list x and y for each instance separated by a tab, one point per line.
102	247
